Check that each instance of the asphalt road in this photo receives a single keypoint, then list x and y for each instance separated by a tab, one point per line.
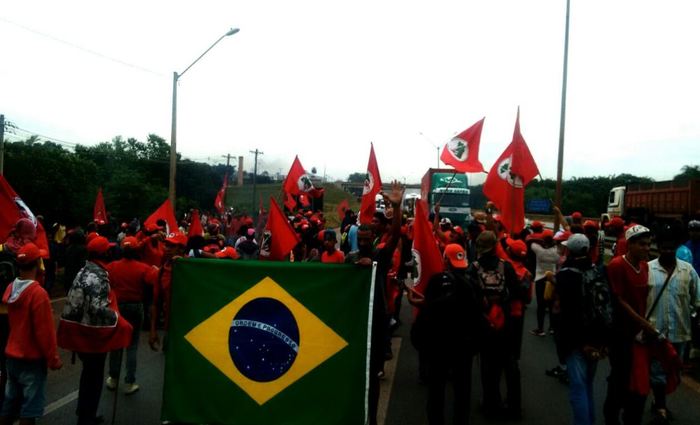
403	401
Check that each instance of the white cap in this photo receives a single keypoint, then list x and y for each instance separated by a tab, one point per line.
635	231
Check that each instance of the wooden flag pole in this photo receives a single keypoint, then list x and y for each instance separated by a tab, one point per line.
448	186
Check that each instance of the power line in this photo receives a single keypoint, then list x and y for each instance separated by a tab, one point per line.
84	49
49	138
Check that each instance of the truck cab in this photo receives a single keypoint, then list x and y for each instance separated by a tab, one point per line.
451	190
616	202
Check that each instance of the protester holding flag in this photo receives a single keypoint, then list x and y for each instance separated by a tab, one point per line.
365	256
92	326
450	320
372	187
128	278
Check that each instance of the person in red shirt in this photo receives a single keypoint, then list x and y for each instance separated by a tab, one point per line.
151	245
616	228
175	246
31	346
628	275
128	277
330	254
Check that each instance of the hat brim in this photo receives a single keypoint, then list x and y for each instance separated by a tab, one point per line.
458	264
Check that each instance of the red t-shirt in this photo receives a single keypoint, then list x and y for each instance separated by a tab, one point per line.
620	246
161	290
150	254
630	286
337	257
127	277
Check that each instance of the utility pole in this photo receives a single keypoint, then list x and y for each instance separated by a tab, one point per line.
562	118
228	164
2	144
255	176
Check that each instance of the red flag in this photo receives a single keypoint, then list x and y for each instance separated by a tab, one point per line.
195	225
99	212
505	184
342	207
219	201
373	185
12	208
289	201
164	212
426	254
297	180
278	238
462	152
304	200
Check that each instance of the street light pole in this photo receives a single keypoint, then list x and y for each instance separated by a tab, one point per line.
173	128
562	117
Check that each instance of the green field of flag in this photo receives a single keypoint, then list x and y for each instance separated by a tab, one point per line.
267	343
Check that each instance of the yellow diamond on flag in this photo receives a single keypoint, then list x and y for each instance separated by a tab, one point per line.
265	340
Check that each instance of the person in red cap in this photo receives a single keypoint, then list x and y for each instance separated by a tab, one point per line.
616	228
175	245
31	346
577	218
497	280
151	244
596	240
91	326
128	277
447	331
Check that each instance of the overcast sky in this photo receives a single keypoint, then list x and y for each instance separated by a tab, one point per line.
323	79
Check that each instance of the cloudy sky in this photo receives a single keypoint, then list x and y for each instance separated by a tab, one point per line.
323	79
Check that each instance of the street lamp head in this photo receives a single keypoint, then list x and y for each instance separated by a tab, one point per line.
232	31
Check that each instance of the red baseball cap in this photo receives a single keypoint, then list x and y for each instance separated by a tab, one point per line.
546	233
517	247
228	252
576	215
590	224
455	253
177	238
537	225
90	236
29	253
616	222
99	245
129	242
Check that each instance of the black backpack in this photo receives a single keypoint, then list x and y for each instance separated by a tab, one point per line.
8	268
597	300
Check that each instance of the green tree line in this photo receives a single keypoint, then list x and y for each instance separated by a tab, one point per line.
62	185
588	195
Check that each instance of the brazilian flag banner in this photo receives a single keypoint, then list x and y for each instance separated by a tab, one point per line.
267	343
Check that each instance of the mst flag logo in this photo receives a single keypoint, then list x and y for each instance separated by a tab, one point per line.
506	173
369	184
304	183
265	340
458	149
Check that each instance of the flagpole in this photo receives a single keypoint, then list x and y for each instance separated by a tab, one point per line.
562	121
448	186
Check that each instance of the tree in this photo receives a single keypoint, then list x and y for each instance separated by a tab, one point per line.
688	172
357	177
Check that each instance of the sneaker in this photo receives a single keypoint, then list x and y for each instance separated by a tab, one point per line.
131	388
556	372
111	383
538	332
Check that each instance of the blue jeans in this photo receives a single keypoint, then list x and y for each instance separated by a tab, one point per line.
581	373
133	313
26	387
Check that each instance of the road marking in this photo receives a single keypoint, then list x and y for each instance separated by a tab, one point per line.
691	383
60	402
388	383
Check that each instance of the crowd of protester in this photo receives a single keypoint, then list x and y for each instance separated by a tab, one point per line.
637	313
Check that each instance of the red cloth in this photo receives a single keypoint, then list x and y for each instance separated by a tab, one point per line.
12	209
164	212
32	330
219	201
161	290
373	185
152	252
666	354
284	239
620	246
295	179
505	184
342	207
337	257
462	152
195	225
127	278
99	212
630	286
425	250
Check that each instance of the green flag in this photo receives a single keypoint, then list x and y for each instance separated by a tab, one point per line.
268	343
